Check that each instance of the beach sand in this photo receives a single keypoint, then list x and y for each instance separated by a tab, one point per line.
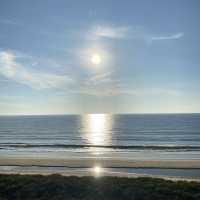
20	162
90	162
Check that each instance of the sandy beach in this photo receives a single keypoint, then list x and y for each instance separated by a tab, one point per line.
77	167
88	162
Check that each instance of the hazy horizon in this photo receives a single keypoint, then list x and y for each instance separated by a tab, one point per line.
64	114
130	57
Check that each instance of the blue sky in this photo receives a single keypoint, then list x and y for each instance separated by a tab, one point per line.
147	56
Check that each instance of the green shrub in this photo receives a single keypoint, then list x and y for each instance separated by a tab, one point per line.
37	187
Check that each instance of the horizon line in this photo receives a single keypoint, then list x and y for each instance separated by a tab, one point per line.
156	113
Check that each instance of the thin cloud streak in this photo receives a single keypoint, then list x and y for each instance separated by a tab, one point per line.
169	37
13	70
127	32
112	32
104	85
116	90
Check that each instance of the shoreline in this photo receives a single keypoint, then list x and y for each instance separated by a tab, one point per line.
84	167
105	163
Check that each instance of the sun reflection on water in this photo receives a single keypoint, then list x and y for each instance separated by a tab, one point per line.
97	170
98	129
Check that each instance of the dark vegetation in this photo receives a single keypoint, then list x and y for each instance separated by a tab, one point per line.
56	187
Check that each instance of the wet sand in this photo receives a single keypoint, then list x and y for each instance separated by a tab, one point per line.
90	162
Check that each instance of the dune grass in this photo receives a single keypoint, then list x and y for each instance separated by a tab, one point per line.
57	187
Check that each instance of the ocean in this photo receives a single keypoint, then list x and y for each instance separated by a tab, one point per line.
123	136
174	135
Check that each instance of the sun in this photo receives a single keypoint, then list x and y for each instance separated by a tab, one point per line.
96	59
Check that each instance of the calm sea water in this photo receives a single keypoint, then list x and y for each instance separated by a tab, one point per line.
165	136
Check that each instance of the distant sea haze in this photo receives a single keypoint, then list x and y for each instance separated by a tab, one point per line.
137	136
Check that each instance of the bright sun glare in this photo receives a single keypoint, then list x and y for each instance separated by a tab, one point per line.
96	59
97	170
97	127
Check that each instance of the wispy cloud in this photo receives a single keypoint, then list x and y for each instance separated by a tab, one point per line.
117	90
168	37
16	71
151	91
101	84
112	32
100	78
128	32
105	85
